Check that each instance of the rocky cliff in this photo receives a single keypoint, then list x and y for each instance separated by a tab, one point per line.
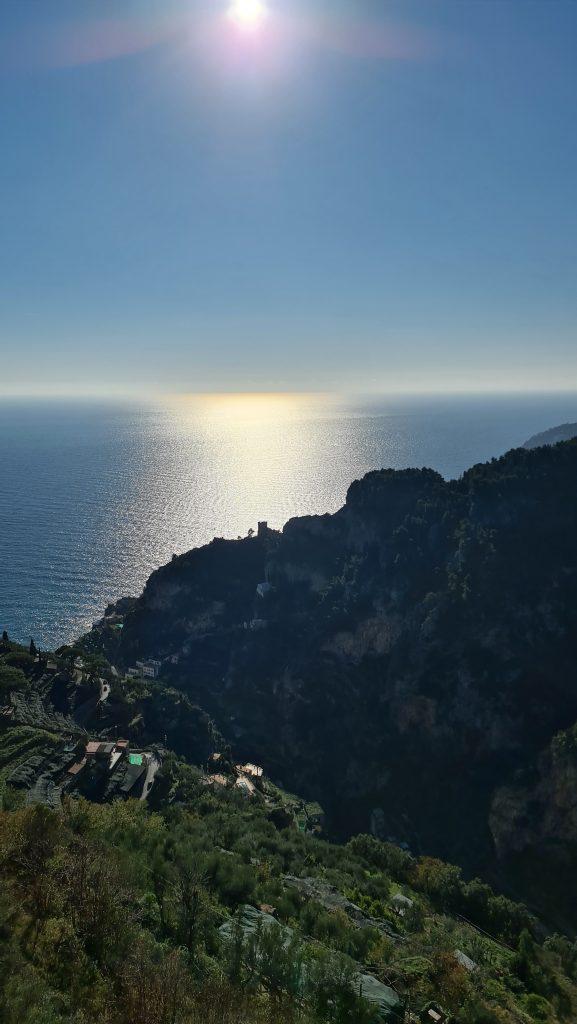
409	661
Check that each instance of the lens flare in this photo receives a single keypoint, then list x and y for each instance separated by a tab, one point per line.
248	14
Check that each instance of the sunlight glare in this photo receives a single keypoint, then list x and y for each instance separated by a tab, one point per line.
243	407
248	14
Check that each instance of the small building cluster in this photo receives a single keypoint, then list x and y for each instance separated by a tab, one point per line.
146	669
249	779
251	769
99	770
109	768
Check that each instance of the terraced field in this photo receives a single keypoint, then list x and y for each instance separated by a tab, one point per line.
31	709
21	743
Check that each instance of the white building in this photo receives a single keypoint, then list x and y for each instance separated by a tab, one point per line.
149	669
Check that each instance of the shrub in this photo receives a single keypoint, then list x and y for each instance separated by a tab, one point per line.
11	679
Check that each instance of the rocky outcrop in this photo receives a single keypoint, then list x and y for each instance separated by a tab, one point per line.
332	899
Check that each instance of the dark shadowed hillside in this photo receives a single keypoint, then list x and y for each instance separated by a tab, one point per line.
410	662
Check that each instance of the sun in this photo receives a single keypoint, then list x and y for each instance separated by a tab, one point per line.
248	14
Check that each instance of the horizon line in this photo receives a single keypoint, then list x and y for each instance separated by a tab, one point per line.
171	395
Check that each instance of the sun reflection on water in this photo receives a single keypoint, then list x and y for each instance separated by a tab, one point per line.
94	498
249	406
258	448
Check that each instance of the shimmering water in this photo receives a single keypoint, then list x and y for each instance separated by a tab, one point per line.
93	497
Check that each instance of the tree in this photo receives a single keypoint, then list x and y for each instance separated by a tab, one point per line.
442	882
95	897
190	902
27	999
333	989
154	984
276	960
11	679
19	659
385	856
525	958
234	953
30	839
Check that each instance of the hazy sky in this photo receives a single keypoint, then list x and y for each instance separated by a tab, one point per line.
351	195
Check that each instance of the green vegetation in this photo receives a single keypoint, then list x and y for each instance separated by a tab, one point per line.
116	913
20	743
10	679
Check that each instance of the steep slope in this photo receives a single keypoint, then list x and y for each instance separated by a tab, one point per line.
415	652
204	910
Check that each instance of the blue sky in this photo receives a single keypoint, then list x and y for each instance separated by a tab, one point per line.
354	196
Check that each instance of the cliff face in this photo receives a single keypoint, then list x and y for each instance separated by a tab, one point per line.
413	658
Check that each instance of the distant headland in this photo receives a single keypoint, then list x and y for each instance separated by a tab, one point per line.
554	435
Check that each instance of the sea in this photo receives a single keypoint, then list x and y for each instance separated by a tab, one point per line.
95	495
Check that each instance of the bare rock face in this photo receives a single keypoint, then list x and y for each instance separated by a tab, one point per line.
332	899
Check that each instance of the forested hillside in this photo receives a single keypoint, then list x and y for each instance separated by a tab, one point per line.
205	910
